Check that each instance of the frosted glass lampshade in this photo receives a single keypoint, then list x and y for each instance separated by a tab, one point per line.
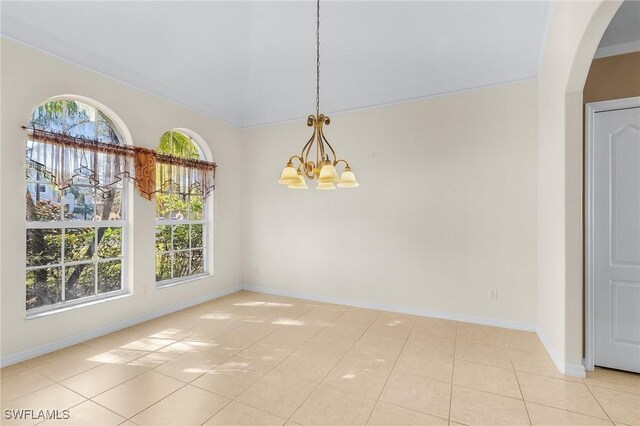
289	176
328	173
325	186
301	184
348	179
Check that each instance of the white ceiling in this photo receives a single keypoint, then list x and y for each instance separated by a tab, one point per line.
252	63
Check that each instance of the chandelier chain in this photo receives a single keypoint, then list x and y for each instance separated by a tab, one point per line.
318	58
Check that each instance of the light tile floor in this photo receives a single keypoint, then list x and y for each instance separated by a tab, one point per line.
252	359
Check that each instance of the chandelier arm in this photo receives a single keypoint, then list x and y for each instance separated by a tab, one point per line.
320	143
308	164
309	146
303	157
329	145
297	157
342	161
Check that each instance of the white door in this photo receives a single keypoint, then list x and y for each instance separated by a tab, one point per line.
616	238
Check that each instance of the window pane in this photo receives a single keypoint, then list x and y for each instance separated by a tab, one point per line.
178	144
32	171
179	207
196	205
109	242
81	120
79	281
109	205
106	130
79	244
163	206
163	267
44	246
181	264
197	262
180	237
109	276
35	170
43	202
43	287
48	116
163	238
79	203
196	236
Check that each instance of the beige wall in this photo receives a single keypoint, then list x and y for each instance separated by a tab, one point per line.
575	31
445	212
30	77
613	77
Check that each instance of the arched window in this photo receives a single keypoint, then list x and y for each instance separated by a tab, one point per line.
75	236
181	224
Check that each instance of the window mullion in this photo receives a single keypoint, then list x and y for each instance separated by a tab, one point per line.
62	261
190	245
95	256
172	256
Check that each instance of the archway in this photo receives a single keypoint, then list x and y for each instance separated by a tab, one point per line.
574	34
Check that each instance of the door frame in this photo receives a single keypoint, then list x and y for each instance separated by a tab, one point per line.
591	109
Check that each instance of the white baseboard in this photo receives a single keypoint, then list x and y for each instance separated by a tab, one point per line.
515	325
74	340
575	370
568	369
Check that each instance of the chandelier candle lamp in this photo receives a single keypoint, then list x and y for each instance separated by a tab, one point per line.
324	166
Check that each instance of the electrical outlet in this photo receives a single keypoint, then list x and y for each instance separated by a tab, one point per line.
493	294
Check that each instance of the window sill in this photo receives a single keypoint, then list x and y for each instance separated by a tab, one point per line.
53	311
178	281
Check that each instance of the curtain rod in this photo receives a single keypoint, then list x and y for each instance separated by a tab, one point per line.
128	150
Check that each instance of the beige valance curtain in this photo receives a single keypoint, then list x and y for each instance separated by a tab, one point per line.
66	160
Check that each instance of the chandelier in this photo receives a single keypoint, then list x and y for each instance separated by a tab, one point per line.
324	166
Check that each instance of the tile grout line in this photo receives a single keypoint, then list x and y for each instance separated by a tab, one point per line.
612	389
598	401
272	368
150	369
531	402
392	368
217	365
281	361
185	384
552	406
318	383
526	408
233	355
453	370
128	380
74	405
117	357
337	362
59	382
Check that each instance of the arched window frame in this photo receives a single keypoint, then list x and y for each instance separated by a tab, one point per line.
204	221
66	226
